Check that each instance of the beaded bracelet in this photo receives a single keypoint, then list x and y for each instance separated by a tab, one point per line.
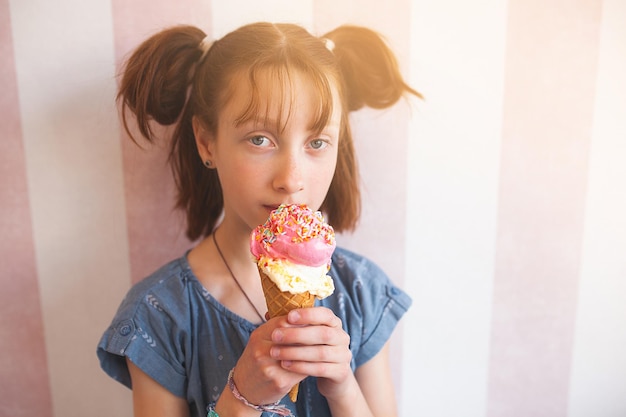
276	407
212	412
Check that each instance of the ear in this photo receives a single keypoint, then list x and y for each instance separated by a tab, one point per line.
204	140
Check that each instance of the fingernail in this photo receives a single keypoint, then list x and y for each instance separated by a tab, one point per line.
294	316
274	352
277	335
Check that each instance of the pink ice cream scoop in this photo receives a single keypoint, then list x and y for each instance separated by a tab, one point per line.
295	233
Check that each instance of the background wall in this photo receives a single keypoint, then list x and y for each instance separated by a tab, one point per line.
497	202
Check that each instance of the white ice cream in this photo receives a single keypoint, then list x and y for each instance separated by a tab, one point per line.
296	278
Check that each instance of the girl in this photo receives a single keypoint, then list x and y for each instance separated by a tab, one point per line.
261	118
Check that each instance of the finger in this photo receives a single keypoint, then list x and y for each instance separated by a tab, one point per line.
314	316
318	353
264	331
311	335
329	370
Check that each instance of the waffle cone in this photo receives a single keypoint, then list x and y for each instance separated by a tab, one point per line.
279	303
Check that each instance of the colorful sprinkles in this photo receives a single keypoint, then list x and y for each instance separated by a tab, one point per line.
305	223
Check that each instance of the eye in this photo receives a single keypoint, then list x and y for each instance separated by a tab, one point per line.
260	140
318	144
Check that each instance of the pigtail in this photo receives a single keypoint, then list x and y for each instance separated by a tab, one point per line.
369	68
156	78
154	88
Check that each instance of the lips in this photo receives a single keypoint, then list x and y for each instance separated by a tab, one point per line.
272	207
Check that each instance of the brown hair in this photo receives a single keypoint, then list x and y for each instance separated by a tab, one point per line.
165	70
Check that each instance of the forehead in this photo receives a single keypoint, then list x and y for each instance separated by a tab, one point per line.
276	93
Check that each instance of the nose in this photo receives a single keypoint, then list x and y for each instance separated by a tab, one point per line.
289	174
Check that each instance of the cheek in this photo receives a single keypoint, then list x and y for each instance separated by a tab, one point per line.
331	172
327	173
234	175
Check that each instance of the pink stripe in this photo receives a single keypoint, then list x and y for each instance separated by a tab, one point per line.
552	50
155	230
24	388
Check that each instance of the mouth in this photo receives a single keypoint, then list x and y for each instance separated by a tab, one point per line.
272	207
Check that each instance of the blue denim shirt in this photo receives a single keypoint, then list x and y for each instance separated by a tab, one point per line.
173	329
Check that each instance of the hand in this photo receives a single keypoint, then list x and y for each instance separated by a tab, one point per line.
313	342
286	349
259	377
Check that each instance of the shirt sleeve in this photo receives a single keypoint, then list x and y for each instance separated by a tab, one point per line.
373	305
149	336
383	307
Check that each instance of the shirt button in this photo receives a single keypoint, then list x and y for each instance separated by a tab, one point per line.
125	330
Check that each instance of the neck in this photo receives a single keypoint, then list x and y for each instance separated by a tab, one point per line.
234	280
235	247
234	241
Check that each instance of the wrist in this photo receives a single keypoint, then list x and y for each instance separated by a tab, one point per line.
233	403
275	408
348	392
347	399
227	405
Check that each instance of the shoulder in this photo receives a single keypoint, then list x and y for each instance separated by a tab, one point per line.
355	271
352	265
157	305
163	289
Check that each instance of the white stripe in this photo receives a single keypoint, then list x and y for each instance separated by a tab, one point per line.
229	15
457	61
598	382
65	71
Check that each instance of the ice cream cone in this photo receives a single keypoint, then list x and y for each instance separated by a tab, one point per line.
294	246
279	303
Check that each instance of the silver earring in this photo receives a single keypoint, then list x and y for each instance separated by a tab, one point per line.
207	163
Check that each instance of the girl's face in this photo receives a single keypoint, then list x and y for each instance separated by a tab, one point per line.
261	163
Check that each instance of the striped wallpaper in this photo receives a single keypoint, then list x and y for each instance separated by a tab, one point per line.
497	202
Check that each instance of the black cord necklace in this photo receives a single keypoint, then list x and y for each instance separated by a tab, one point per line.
235	278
